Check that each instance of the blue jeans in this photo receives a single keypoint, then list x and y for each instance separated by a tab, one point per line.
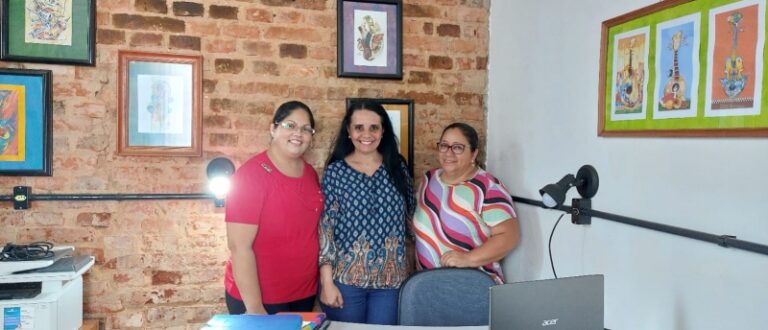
372	306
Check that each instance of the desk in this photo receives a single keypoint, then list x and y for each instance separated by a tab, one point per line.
335	325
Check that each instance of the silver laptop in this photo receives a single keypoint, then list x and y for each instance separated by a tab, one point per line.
564	303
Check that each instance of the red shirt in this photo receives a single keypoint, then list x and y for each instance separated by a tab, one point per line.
287	211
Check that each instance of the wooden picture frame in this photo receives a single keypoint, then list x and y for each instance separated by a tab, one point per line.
160	101
25	122
400	113
684	68
61	32
370	39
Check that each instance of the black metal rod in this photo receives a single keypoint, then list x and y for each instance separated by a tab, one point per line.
114	197
722	240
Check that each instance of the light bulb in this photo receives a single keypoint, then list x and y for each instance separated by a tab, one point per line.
219	186
548	201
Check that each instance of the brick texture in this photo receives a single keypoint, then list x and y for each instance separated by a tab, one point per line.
159	262
183	8
224	12
185	42
152	6
293	51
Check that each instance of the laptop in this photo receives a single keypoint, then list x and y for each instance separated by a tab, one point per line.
556	304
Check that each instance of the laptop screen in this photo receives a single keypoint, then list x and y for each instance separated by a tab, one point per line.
564	303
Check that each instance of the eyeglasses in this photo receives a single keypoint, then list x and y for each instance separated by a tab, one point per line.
293	126
457	148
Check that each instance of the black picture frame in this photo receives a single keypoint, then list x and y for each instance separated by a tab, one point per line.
361	56
400	112
26	122
29	38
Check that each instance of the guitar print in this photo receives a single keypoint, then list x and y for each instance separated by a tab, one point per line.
735	80
674	90
629	83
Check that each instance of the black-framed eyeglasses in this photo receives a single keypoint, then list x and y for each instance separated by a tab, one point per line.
293	126
457	148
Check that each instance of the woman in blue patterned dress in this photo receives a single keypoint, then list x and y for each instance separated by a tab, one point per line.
368	201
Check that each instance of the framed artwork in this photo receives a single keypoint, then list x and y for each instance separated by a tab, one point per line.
159	108
400	113
677	80
736	39
49	31
370	39
684	68
25	122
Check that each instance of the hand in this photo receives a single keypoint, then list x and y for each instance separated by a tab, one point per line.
331	296
456	259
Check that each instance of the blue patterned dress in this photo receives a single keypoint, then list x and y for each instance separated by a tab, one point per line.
363	227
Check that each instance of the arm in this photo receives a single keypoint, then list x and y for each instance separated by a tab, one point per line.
504	238
240	239
498	213
329	293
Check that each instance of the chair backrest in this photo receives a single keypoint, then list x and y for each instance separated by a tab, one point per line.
445	297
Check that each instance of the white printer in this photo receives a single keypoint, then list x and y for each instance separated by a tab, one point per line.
47	298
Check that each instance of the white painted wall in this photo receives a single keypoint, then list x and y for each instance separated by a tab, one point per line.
542	124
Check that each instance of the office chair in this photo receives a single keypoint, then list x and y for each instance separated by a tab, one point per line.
445	297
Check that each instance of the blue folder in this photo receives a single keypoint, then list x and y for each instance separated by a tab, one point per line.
253	322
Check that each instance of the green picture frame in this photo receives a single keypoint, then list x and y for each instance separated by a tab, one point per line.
55	32
644	51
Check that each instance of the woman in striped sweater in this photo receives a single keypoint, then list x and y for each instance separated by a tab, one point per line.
464	216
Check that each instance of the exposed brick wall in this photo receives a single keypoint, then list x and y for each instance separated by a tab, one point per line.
160	263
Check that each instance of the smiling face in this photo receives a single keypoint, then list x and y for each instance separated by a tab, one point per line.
292	136
452	163
365	131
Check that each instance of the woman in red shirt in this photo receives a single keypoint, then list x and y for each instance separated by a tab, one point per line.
272	214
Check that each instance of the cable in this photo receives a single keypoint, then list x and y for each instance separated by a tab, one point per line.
32	251
550	244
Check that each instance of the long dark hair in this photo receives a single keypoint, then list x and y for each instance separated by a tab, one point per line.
391	158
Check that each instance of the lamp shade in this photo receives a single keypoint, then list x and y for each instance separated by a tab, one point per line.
586	182
553	194
220	166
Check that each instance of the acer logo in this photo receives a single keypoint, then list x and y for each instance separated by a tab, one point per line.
549	322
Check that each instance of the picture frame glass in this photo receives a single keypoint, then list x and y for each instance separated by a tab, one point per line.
370	39
49	31
25	122
160	108
160	105
684	68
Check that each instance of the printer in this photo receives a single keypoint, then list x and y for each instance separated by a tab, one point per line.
44	294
